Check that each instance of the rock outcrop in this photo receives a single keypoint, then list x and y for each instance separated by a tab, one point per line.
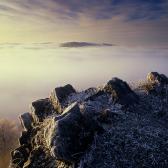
156	83
59	96
111	126
156	78
121	92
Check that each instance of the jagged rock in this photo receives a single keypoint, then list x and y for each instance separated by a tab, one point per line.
20	156
41	109
156	78
44	159
26	121
94	96
71	135
80	96
59	95
155	83
92	129
25	138
107	116
121	92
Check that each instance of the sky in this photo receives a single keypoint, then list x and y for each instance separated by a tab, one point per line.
49	43
121	22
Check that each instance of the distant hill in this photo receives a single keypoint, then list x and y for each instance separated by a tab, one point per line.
74	44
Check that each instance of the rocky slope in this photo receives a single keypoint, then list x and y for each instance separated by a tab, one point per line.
113	126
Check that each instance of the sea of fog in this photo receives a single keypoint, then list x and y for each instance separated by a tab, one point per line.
30	72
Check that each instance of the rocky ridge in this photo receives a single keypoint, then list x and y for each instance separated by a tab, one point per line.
113	126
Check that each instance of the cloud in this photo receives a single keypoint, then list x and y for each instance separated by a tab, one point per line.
52	45
30	46
98	9
106	9
12	44
124	22
84	44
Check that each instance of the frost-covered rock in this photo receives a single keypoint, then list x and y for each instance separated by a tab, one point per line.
109	127
74	130
156	78
26	121
41	109
25	138
59	95
69	137
156	83
20	156
121	92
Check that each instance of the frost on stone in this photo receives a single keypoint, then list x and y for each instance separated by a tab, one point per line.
59	95
26	120
113	126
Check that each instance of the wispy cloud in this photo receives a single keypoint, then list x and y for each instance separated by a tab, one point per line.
105	9
53	45
99	9
31	46
125	22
